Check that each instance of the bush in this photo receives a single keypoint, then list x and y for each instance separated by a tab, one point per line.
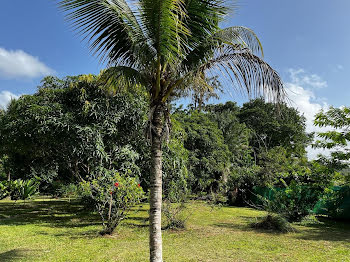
113	196
175	185
336	203
4	189
273	222
174	216
240	182
294	202
69	191
19	189
23	189
217	199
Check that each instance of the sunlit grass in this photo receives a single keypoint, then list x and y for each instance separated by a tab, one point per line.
58	230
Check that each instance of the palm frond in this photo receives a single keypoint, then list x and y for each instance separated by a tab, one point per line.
203	17
164	21
237	36
242	37
118	77
247	72
112	30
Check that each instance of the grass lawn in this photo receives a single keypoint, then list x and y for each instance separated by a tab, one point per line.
56	230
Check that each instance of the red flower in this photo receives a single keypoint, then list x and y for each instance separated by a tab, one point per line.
138	185
116	184
111	193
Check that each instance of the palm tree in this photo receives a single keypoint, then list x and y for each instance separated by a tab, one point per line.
163	45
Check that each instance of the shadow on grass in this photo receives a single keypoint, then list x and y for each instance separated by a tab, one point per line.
247	228
89	234
56	213
144	219
242	224
233	226
14	254
134	221
135	225
327	230
60	214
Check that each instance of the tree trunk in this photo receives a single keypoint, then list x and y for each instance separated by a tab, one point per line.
155	215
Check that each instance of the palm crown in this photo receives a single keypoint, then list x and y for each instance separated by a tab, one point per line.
162	44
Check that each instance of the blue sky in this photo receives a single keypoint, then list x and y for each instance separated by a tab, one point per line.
306	41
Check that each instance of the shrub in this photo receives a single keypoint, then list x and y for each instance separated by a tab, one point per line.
218	198
174	215
23	189
19	189
240	182
273	222
4	189
113	196
336	203
294	202
69	191
175	193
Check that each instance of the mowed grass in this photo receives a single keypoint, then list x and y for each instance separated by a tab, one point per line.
59	230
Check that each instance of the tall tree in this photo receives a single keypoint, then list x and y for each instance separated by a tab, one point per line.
162	44
338	139
69	128
236	134
273	127
208	155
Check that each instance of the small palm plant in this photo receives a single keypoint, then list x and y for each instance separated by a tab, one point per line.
23	189
29	188
164	46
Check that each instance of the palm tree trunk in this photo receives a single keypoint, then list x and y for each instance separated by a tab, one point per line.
155	216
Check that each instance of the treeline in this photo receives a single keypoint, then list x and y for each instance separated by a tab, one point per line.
72	127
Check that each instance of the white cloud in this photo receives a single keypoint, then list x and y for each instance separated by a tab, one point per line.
300	91
300	77
17	63
5	98
304	100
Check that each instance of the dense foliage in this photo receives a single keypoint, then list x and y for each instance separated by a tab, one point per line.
69	127
338	138
113	194
336	203
73	127
19	189
274	126
208	154
295	201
